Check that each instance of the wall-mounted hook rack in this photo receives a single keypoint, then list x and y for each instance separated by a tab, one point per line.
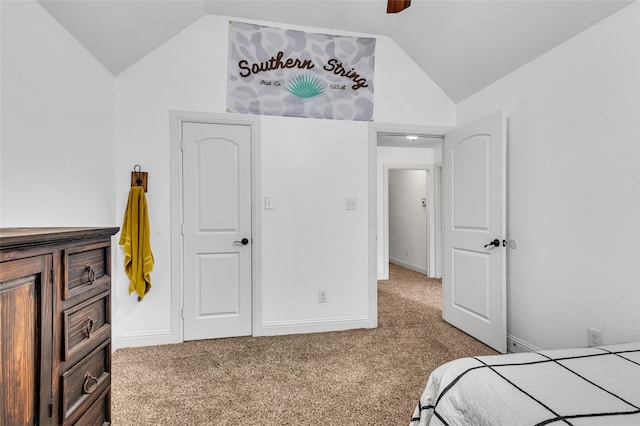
138	177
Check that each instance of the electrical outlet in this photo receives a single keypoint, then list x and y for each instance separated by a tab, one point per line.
322	296
594	336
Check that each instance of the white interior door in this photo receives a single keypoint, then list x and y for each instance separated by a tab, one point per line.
216	163
474	218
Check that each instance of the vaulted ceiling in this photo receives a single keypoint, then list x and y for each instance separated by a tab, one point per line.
463	46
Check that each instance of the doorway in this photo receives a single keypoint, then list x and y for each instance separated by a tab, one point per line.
385	143
426	157
408	219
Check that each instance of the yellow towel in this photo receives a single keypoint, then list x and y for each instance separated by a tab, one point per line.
135	239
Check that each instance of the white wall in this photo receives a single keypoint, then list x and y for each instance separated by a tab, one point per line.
308	166
404	93
57	127
310	242
408	219
573	186
395	158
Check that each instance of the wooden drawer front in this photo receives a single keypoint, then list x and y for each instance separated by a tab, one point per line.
86	326
99	414
86	268
84	382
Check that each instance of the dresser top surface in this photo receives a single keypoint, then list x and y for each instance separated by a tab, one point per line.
13	236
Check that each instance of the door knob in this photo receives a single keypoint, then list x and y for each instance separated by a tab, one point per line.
495	242
243	241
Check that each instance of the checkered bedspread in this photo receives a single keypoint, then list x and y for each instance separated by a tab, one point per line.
587	386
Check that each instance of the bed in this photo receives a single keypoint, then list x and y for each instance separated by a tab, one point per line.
585	386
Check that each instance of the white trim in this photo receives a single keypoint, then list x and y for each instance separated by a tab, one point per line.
437	202
410	266
177	286
276	328
175	183
373	227
138	339
256	216
516	344
407	129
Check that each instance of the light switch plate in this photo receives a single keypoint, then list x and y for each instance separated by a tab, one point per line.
351	204
268	203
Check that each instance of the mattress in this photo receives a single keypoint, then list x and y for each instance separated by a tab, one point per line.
581	386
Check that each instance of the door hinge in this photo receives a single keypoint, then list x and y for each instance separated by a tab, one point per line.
182	229
50	406
182	313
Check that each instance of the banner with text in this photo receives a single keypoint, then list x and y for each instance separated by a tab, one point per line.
275	71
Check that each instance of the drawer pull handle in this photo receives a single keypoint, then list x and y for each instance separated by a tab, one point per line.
89	325
89	387
92	274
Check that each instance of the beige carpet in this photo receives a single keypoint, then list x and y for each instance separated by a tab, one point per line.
356	377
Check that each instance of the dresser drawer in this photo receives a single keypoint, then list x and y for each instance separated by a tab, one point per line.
85	326
84	382
99	414
86	269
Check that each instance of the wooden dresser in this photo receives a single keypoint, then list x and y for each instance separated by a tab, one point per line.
55	326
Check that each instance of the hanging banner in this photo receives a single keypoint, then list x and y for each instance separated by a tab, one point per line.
274	71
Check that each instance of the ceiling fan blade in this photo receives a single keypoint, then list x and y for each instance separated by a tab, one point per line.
395	6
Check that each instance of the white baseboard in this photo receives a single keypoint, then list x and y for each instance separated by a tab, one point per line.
133	340
515	345
276	328
411	266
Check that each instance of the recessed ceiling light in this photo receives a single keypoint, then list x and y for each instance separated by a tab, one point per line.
412	137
